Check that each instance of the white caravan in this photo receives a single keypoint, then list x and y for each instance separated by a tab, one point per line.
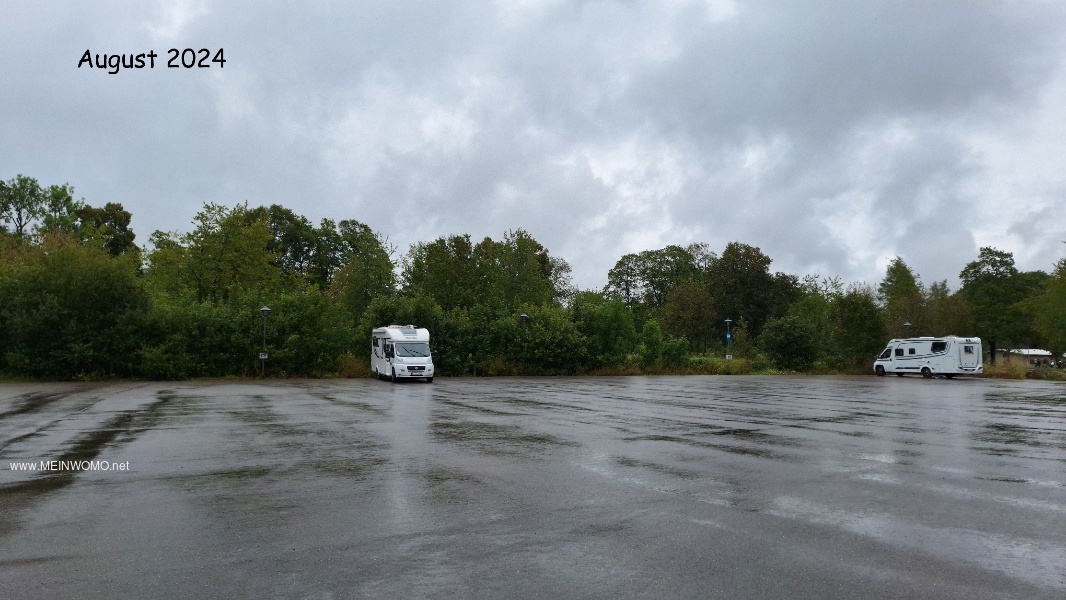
401	352
948	356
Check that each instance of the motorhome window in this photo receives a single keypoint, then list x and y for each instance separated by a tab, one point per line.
940	346
967	349
886	353
899	351
910	350
419	349
407	331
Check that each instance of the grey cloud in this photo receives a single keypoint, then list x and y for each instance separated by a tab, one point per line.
601	127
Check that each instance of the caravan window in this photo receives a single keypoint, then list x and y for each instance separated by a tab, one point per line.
940	346
910	350
887	353
899	351
967	349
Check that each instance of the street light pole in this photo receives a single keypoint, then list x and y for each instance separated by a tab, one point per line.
263	355
525	319
728	338
907	327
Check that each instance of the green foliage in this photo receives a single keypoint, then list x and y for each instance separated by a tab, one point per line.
110	225
76	301
995	289
859	331
67	310
948	313
502	275
366	270
59	210
690	312
651	343
743	289
902	297
223	256
791	342
645	279
21	201
675	351
1048	307
547	343
607	327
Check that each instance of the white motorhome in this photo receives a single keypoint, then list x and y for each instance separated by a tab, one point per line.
401	352
948	356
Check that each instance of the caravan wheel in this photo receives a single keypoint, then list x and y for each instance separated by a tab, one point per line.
880	371
926	372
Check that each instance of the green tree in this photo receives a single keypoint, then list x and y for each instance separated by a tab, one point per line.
59	211
366	269
110	224
859	331
223	256
948	313
607	326
293	238
68	309
515	271
902	297
994	288
445	270
21	202
644	280
790	341
743	288
651	343
502	275
1049	309
689	312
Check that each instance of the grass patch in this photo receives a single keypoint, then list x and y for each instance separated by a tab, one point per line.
1015	368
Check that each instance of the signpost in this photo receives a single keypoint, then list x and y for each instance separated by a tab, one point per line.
728	338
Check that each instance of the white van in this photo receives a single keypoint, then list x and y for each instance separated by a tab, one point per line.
401	352
948	356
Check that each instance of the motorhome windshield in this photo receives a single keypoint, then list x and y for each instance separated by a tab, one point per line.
419	349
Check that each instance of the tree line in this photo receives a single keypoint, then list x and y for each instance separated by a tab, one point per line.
79	299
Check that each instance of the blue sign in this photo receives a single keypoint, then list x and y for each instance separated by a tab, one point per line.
729	337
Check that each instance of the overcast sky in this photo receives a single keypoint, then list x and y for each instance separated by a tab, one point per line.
833	135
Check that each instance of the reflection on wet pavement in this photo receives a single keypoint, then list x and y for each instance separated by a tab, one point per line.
748	487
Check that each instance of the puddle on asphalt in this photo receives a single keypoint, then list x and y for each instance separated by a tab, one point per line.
33	402
1005	433
627	461
121	428
493	438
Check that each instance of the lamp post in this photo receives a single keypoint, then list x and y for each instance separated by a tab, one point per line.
263	355
907	327
728	338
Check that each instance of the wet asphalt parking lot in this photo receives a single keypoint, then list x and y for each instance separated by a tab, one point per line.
633	487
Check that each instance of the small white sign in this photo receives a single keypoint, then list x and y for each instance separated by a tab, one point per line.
263	356
729	357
